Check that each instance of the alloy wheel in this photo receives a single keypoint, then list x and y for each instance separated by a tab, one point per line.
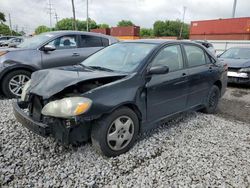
17	83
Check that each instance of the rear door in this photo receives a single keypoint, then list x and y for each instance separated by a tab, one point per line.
200	73
66	52
89	45
167	93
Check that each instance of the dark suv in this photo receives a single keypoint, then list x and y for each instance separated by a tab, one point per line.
52	49
123	89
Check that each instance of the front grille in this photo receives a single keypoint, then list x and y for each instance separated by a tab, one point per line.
36	108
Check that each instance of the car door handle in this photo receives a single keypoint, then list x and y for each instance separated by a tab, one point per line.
75	54
184	74
210	69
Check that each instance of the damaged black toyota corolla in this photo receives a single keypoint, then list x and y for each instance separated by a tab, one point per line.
120	91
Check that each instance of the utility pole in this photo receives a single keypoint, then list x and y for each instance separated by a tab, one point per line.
74	15
183	18
10	24
50	15
87	15
56	17
234	8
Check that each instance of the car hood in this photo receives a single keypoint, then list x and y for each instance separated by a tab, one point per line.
49	82
13	49
236	63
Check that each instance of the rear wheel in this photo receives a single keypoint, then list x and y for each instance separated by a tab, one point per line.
116	133
212	100
13	83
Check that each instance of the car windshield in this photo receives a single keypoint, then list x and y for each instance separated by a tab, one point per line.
121	57
35	41
237	53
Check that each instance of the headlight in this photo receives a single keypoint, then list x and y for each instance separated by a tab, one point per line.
245	70
3	52
67	107
24	91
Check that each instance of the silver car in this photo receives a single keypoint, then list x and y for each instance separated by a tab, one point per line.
47	50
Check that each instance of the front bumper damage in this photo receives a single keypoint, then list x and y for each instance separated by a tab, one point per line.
66	131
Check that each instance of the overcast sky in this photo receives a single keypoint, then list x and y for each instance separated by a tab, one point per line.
29	14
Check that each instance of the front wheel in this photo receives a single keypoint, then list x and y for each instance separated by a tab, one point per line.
115	134
212	100
13	83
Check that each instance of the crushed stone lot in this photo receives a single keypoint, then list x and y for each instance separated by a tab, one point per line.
195	150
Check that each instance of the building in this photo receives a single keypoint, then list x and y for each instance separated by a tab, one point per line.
221	29
121	33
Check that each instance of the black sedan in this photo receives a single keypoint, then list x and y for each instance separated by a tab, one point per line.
238	61
124	89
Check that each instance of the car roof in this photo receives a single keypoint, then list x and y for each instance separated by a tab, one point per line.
78	33
159	41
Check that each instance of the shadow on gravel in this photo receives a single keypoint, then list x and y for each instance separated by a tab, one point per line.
234	110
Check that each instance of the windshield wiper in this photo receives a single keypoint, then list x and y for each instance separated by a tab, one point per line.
101	68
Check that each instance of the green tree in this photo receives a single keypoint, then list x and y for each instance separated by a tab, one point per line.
125	23
103	26
42	29
2	17
144	32
4	29
170	28
67	24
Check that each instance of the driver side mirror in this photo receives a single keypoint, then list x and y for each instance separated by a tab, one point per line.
159	69
48	48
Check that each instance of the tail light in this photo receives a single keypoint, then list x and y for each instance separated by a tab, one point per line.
225	67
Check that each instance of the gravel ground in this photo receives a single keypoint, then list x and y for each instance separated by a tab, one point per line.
195	150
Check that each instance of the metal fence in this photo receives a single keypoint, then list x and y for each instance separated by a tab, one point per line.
222	45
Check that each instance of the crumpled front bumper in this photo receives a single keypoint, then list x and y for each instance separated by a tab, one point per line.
63	131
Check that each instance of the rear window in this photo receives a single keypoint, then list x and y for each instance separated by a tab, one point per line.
195	55
90	41
105	42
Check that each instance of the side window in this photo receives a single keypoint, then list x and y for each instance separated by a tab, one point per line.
195	55
105	42
170	56
64	42
90	41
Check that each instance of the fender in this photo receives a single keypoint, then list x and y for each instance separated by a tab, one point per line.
9	66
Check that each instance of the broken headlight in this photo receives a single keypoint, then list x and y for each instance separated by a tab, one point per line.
67	107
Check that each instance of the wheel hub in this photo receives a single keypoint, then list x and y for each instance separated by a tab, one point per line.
120	133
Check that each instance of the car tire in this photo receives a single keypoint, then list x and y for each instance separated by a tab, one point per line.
8	90
115	133
212	100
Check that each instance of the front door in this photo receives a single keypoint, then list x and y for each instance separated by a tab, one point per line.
66	53
167	93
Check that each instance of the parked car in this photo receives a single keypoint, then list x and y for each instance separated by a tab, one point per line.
121	90
52	49
208	45
238	61
13	43
5	38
